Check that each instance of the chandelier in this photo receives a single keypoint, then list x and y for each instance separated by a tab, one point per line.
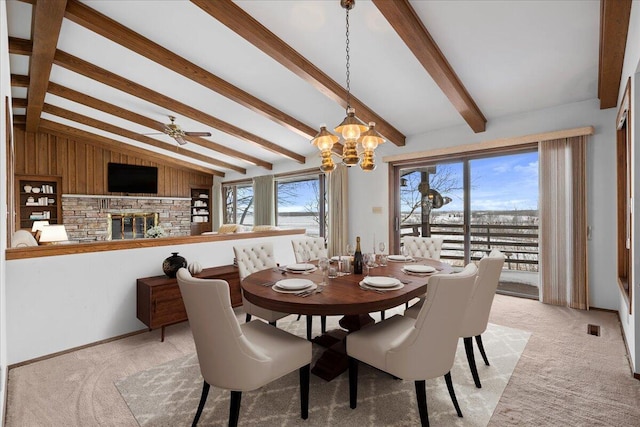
360	141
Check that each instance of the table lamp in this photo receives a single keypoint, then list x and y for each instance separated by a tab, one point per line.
37	225
52	234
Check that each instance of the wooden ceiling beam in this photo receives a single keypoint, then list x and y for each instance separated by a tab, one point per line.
70	132
19	80
243	24
19	119
47	21
614	27
412	31
19	46
89	101
18	103
108	78
107	127
118	33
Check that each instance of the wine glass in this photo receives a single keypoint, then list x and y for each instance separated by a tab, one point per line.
381	246
350	249
368	261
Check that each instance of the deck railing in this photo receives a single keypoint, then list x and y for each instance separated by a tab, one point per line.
519	243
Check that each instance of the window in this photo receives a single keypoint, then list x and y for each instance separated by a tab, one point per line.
238	202
301	203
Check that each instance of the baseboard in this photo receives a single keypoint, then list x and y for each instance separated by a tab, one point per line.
70	350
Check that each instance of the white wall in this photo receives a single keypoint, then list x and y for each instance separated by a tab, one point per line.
631	323
5	91
66	301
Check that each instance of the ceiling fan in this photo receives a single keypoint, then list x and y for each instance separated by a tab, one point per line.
175	131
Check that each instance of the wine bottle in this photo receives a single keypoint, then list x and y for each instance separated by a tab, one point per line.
357	258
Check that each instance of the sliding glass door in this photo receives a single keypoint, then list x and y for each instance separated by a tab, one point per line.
476	204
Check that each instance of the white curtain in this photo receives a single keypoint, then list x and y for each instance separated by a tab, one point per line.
563	223
338	215
216	203
264	200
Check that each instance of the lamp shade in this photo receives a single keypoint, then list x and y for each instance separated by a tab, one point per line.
37	225
52	234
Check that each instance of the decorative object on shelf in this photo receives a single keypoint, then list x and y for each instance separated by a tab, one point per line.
155	232
27	188
353	131
194	268
36	190
172	264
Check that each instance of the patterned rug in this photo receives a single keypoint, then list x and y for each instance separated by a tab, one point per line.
168	395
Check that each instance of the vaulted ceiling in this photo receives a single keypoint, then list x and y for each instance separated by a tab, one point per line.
261	76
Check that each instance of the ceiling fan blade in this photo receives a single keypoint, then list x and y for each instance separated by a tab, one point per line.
198	133
154	133
180	140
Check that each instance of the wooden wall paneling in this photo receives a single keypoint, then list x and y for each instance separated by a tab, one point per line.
99	166
63	167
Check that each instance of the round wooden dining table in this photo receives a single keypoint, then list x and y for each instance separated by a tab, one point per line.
341	296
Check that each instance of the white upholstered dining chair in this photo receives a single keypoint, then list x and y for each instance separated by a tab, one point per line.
416	349
316	250
234	356
423	247
313	245
477	314
252	258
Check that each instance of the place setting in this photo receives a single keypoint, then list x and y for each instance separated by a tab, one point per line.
419	270
298	287
381	284
302	268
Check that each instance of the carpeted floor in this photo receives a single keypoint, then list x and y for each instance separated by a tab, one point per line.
167	395
564	376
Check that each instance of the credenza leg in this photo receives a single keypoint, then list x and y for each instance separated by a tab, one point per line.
162	334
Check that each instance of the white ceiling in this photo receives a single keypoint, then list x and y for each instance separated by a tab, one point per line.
512	57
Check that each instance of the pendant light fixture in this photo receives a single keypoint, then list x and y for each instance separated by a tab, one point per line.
360	141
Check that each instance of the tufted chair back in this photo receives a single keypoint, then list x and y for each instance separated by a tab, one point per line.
429	349
477	315
423	247
252	258
315	246
23	238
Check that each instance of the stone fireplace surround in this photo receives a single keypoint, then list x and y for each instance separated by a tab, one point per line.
86	216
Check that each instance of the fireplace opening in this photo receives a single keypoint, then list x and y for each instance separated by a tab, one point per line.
130	225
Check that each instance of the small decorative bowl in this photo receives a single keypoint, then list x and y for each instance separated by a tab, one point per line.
36	190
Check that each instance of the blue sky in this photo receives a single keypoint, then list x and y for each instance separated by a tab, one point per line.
497	183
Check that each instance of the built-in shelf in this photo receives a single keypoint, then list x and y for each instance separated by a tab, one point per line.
200	210
38	199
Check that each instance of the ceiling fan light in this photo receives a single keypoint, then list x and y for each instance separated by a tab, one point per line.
180	140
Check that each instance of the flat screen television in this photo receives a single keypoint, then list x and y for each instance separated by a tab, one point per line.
122	178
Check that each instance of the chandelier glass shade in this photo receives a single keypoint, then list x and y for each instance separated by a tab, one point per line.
359	140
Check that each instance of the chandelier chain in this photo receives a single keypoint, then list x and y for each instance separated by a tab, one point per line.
348	71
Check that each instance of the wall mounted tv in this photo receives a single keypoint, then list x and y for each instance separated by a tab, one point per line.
122	178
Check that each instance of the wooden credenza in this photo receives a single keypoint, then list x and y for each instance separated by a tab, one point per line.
159	302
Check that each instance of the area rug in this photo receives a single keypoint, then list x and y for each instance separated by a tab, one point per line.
168	395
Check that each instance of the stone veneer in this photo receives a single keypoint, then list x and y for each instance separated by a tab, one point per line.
86	217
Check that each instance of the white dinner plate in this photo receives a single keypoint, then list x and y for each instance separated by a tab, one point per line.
418	268
293	291
293	284
300	267
381	281
400	258
373	288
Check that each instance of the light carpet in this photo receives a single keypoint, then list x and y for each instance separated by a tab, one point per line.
168	394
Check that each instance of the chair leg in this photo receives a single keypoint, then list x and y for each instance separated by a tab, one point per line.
452	393
304	391
203	399
481	348
421	397
273	323
247	318
309	326
406	305
382	314
234	412
323	324
353	382
299	316
468	347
